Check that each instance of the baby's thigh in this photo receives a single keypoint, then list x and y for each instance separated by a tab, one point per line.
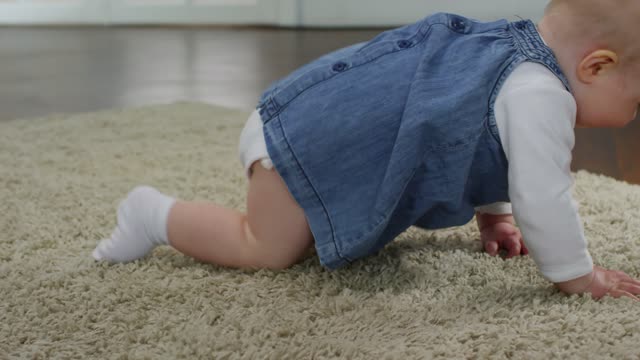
278	224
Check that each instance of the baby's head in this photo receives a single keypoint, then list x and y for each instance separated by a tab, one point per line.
597	48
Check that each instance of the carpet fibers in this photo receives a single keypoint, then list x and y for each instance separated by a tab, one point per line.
427	295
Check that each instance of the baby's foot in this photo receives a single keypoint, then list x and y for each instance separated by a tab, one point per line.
142	225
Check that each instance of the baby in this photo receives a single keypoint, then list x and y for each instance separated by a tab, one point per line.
426	125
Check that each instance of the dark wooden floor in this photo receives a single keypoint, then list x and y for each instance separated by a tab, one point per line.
86	69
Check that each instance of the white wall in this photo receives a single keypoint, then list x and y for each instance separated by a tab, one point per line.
385	12
314	13
107	12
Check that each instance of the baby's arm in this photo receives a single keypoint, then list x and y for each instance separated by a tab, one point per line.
536	128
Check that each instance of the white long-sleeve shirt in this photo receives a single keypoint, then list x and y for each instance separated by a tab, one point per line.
536	117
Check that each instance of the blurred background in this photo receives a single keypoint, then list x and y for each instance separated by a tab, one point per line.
86	55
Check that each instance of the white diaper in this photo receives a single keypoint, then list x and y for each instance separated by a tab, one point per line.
252	146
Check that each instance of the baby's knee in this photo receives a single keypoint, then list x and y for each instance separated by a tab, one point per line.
277	261
264	253
277	264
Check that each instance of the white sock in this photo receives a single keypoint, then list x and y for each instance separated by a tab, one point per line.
142	225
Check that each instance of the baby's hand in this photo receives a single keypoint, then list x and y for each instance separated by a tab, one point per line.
503	236
603	282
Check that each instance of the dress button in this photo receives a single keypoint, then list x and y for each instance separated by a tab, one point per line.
403	44
458	24
520	26
339	66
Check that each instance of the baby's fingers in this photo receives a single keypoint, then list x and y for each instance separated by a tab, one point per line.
491	247
616	293
624	277
525	251
514	246
629	288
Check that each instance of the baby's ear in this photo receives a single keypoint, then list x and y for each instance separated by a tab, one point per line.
596	64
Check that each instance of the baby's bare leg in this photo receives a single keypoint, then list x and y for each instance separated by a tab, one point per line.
273	234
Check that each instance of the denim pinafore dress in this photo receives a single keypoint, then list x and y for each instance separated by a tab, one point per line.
397	131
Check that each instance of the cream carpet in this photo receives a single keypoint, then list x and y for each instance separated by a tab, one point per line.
428	295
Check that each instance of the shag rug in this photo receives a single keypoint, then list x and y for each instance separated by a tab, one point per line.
427	295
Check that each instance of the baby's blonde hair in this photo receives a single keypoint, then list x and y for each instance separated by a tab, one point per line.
601	23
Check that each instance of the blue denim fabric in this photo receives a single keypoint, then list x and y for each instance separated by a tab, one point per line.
398	131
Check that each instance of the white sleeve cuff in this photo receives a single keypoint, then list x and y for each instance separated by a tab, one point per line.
569	271
499	208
